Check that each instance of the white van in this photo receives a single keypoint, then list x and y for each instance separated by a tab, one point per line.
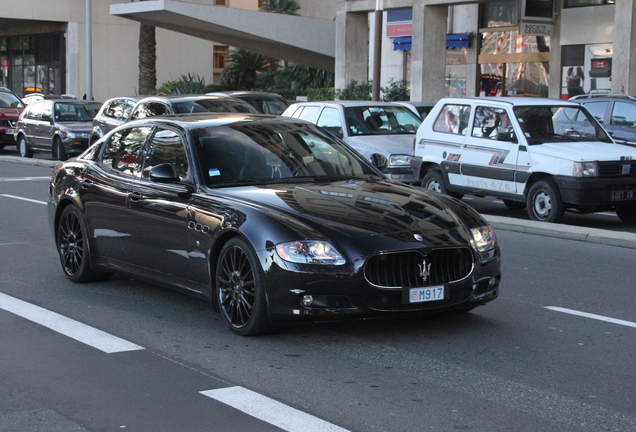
544	154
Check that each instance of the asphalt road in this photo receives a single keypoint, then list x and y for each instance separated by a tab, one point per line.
554	353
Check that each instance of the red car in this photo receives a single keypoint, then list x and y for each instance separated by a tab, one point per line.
10	108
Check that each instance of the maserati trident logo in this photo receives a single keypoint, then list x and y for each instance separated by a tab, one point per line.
425	270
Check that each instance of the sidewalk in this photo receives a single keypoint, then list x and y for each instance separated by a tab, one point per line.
569	232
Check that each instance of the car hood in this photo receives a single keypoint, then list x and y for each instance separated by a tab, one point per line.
77	126
11	113
363	208
383	144
585	151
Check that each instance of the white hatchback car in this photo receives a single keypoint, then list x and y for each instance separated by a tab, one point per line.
370	128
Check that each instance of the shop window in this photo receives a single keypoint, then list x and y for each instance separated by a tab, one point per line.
580	3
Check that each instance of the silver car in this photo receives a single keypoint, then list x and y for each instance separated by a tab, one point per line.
384	128
61	126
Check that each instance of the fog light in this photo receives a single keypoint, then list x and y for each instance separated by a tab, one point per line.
307	300
493	282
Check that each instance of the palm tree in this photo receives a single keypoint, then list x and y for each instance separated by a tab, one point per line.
288	7
244	67
147	59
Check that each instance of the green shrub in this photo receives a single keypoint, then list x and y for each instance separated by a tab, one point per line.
321	94
396	91
355	91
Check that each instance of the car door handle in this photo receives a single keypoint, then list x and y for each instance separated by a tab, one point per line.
86	184
135	196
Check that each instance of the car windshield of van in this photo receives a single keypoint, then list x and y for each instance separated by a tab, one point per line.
381	120
553	124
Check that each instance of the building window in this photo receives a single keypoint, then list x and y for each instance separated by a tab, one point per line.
261	3
579	3
220	2
220	53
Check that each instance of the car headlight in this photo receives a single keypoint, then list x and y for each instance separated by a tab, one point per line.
399	160
585	169
483	238
309	252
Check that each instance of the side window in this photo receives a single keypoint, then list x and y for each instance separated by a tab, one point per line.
166	146
330	120
623	114
46	112
121	152
126	109
35	111
115	109
309	113
452	119
492	123
150	109
597	109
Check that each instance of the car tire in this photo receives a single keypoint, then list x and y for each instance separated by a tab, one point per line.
544	202
240	291
434	180
514	205
57	150
73	247
23	148
627	213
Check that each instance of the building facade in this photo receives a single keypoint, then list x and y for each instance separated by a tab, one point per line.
554	48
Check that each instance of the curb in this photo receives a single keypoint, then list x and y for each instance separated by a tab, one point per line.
568	232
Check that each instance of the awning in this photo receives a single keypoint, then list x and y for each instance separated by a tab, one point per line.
402	44
459	40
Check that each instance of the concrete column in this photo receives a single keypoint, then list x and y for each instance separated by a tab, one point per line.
554	65
352	46
624	61
428	51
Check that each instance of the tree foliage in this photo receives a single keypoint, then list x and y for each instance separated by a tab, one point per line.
243	69
396	91
287	7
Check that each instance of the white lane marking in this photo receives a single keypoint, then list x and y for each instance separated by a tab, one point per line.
271	411
592	316
17	179
66	326
23	199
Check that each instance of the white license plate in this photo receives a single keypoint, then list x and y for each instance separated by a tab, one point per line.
623	195
10	131
419	295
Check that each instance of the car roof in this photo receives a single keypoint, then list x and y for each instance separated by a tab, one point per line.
348	103
588	97
513	101
199	120
234	93
177	97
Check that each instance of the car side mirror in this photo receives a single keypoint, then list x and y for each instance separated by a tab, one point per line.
164	173
379	161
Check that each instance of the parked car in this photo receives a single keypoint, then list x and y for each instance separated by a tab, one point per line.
10	108
263	102
617	114
527	152
384	128
420	108
269	218
61	126
154	106
113	112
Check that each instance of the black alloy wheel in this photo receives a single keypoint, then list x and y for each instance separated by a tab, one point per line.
239	289
72	245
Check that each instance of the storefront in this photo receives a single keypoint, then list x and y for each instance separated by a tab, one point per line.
33	63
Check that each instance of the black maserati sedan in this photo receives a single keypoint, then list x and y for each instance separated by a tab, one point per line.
271	219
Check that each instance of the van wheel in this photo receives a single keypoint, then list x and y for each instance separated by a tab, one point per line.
627	213
544	202
433	180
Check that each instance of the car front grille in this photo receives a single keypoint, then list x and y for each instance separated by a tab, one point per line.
7	123
617	168
407	269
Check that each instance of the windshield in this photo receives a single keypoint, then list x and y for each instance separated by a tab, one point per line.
213	105
8	100
69	111
252	153
541	124
381	120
